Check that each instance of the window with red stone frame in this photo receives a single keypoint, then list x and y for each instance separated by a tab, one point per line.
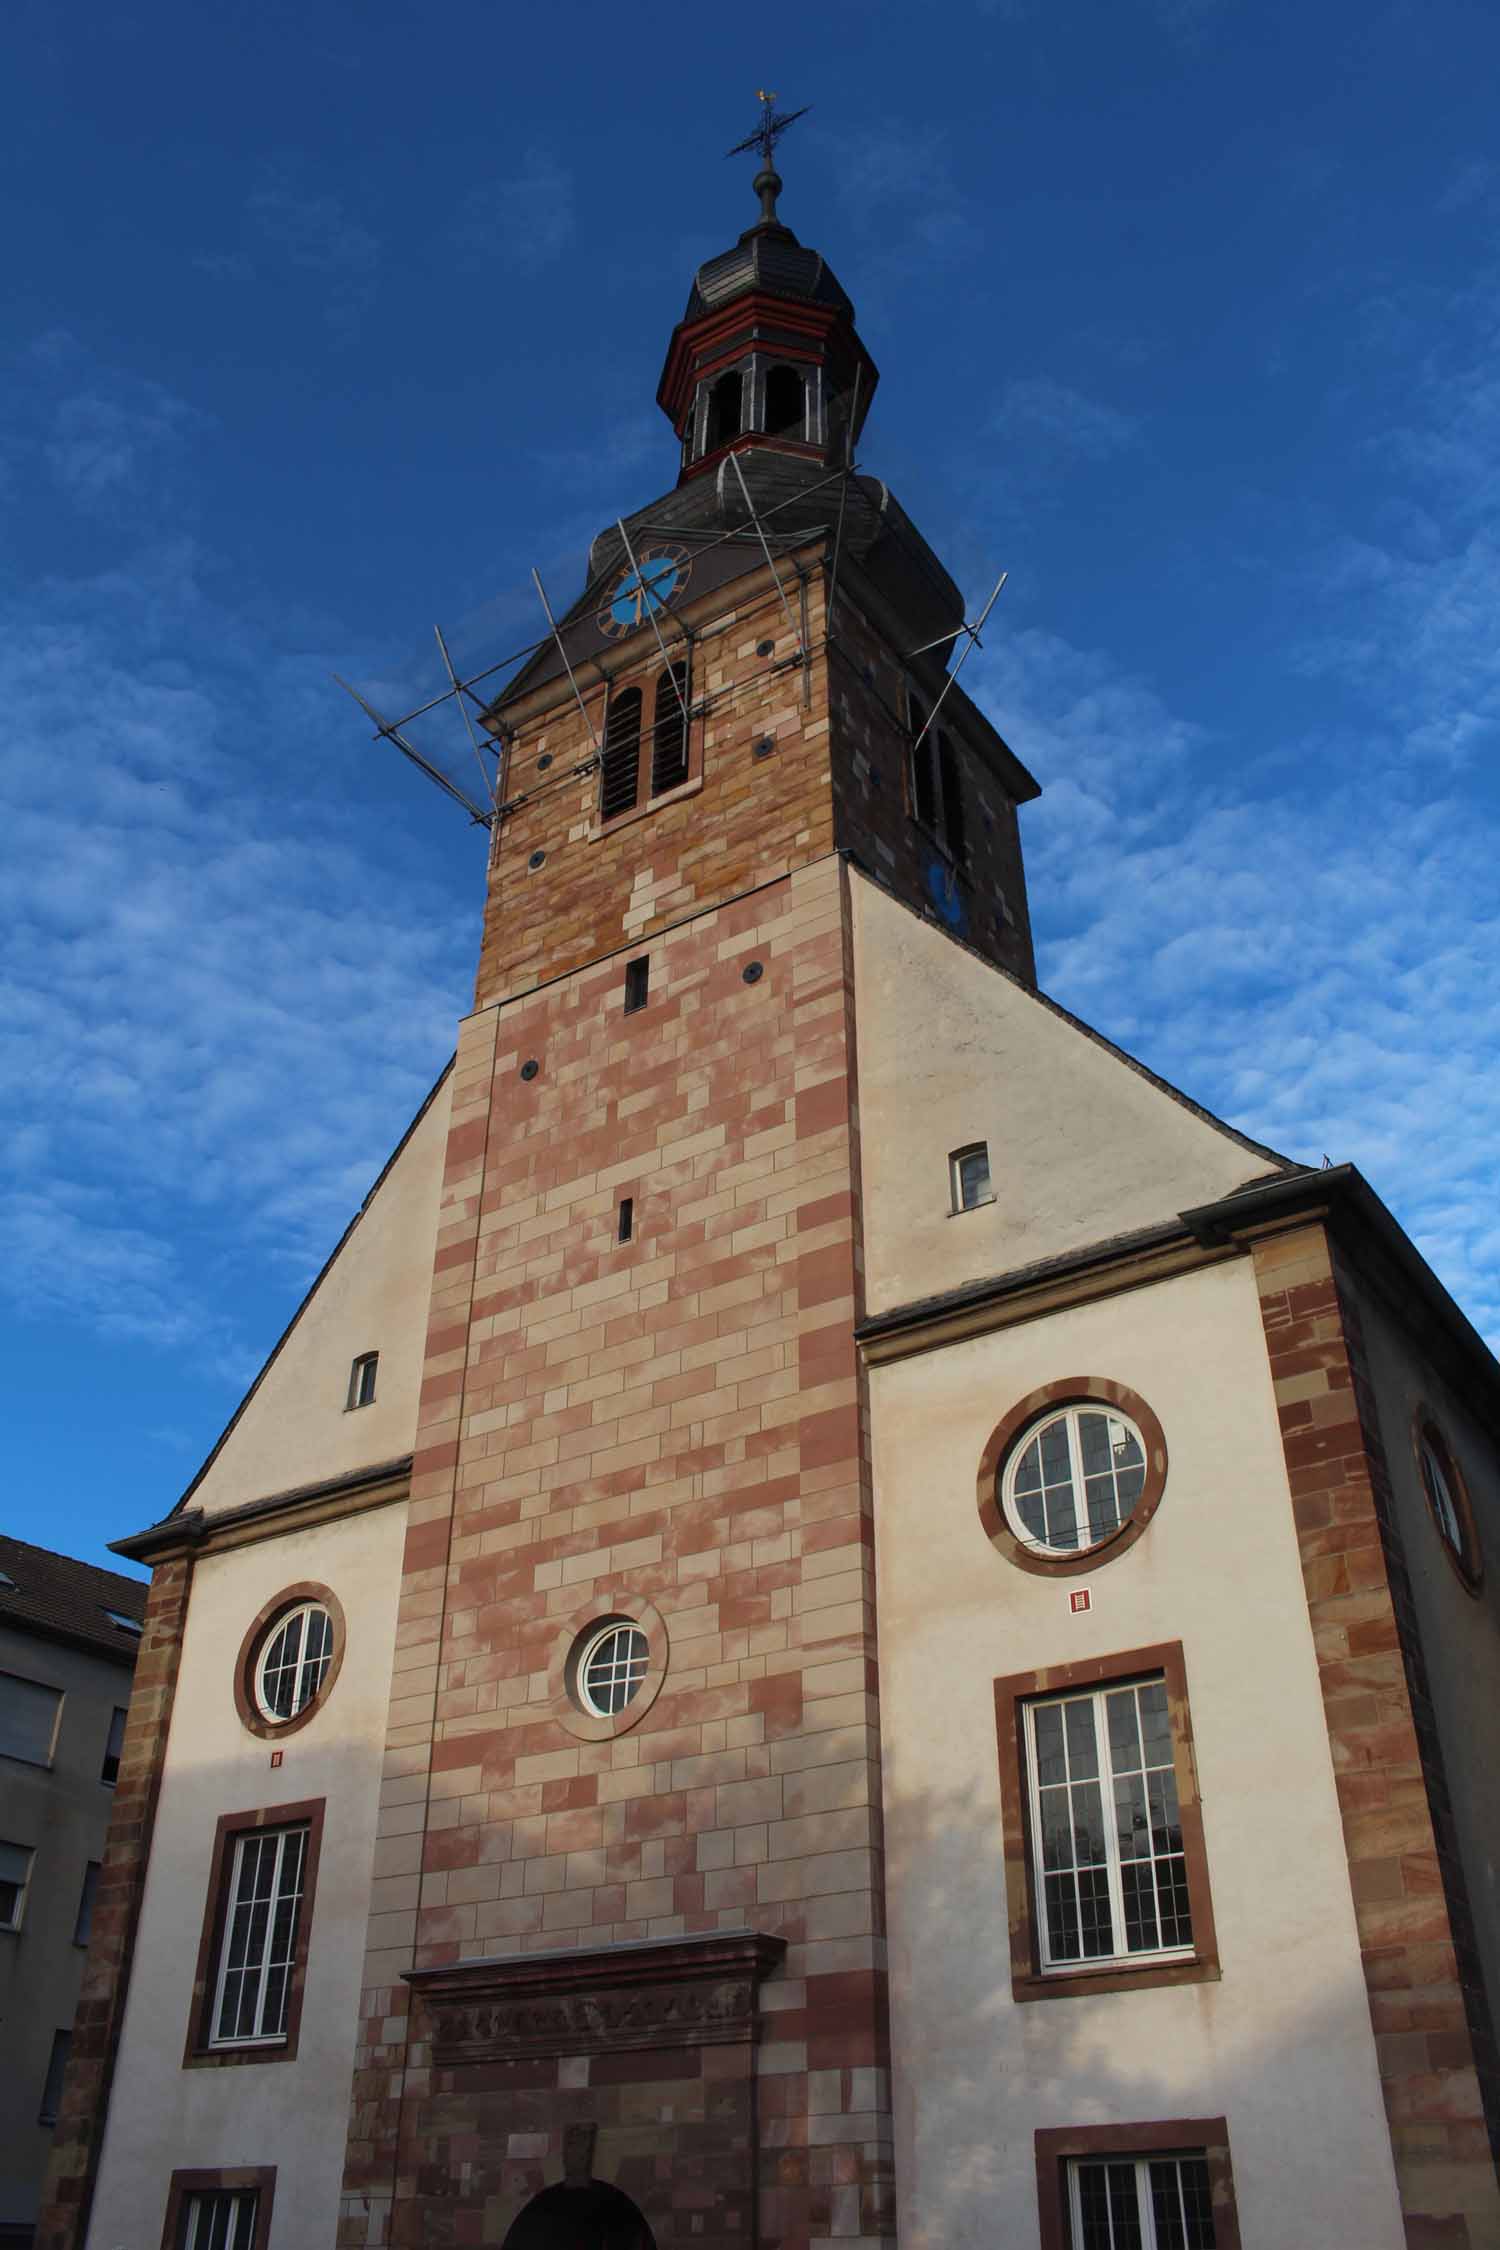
222	2210
1140	1903
1170	2179
252	1955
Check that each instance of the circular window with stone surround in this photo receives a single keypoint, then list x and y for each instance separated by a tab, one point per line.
1072	1476
1447	1496
609	1665
289	1660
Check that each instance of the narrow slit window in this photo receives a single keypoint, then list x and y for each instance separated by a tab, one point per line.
637	983
362	1379
726	408
15	1870
923	776
786	403
969	1173
951	785
52	2085
626	1226
109	1772
669	734
620	779
85	1922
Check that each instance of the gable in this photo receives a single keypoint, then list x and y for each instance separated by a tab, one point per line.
1084	1145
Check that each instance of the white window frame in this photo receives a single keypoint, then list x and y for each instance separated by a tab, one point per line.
1030	1436
363	1362
198	2215
1093	1964
956	1159
303	1695
636	1666
23	1888
1144	2202
296	1888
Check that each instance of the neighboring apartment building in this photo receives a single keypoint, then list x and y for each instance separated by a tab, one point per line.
841	1618
68	1640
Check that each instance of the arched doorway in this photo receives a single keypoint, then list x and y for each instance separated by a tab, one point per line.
588	2215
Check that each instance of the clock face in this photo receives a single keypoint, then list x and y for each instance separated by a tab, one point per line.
661	574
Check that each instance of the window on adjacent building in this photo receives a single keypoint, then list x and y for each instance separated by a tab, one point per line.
83	1927
637	983
220	2219
293	1662
262	1917
126	1624
362	1376
15	1870
52	2085
1073	1478
1104	1836
114	1749
786	403
969	1176
28	1719
1140	2203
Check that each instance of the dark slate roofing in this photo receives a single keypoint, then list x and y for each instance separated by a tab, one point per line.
769	258
68	1600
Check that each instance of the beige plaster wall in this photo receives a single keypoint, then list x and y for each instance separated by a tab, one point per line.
1282	2047
1082	1146
291	2114
296	1429
1460	1632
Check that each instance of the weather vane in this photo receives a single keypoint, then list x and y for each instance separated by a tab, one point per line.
770	129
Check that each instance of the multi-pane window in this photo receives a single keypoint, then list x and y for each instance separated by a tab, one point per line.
1111	1871
611	1668
218	2219
1074	1479
15	1869
969	1176
259	1946
293	1662
114	1748
28	1719
1140	2203
52	2084
362	1379
639	766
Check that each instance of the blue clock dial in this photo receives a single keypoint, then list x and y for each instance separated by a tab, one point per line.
644	591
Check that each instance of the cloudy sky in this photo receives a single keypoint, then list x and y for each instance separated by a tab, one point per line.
325	321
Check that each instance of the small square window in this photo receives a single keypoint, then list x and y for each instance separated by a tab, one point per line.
109	1772
83	1927
969	1176
362	1380
52	2086
637	982
15	1871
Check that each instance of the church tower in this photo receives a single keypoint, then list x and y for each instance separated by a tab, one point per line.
841	1618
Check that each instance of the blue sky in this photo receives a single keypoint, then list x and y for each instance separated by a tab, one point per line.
324	322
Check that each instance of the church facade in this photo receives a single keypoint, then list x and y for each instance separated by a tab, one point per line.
841	1618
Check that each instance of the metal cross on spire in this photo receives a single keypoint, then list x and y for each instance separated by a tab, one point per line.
767	133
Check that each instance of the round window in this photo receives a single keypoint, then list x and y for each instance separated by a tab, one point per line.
1073	1479
611	1666
293	1662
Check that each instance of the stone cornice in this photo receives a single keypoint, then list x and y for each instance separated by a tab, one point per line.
197	1530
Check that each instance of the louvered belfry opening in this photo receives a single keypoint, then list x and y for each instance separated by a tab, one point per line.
786	403
669	738
621	783
726	409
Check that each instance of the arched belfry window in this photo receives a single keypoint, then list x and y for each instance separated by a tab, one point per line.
620	784
726	409
786	403
669	741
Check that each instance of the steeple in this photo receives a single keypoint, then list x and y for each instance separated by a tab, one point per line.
766	354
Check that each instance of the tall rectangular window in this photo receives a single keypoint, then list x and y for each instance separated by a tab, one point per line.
15	1872
52	2084
263	1912
114	1748
1105	1862
362	1379
637	982
969	1176
28	1719
83	1927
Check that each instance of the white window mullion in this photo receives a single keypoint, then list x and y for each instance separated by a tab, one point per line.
1080	1495
1111	1829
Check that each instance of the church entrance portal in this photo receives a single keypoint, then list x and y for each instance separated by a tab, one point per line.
590	2216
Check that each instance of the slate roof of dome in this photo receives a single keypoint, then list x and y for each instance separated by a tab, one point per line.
767	256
